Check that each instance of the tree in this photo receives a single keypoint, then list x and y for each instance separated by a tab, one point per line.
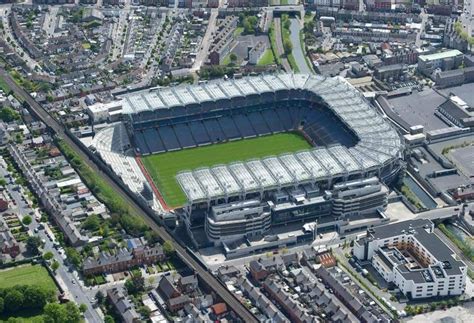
62	313
35	297
168	248
287	46
108	319
135	284
27	220
55	265
54	313
73	256
33	244
233	57
100	297
48	255
13	301
152	236
92	223
83	308
73	312
1	305
8	114
144	311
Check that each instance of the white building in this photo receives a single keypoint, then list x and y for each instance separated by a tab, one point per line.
102	112
412	257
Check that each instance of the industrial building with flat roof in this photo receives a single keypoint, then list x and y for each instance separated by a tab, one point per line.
447	60
412	257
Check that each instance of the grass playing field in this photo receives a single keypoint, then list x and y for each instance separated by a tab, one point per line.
27	275
164	167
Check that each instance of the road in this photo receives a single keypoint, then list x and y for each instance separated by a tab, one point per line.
69	280
202	272
328	240
206	41
298	53
49	22
117	32
30	62
279	44
424	19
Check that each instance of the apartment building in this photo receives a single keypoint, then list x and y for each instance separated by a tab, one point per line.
412	257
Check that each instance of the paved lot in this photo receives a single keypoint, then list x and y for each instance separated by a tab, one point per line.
458	314
418	108
399	212
463	158
429	165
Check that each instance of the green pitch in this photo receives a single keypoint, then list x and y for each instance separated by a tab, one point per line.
27	275
164	167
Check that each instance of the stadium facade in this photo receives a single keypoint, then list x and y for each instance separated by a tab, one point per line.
355	147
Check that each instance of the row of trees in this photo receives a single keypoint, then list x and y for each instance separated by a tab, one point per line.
8	114
15	301
419	309
121	217
20	298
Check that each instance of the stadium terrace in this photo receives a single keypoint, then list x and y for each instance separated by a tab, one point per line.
352	141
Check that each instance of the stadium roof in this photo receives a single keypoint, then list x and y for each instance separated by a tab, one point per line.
379	144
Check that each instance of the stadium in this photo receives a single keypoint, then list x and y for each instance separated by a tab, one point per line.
217	149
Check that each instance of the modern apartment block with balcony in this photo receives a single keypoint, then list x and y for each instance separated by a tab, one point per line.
409	255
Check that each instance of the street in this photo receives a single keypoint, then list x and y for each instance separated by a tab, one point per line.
4	14
206	41
70	281
297	47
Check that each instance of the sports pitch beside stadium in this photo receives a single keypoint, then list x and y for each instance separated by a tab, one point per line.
164	167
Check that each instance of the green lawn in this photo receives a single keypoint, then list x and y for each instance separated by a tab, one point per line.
267	58
164	167
238	31
226	61
272	35
27	275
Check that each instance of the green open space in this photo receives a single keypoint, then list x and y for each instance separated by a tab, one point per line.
272	36
27	275
267	58
164	167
